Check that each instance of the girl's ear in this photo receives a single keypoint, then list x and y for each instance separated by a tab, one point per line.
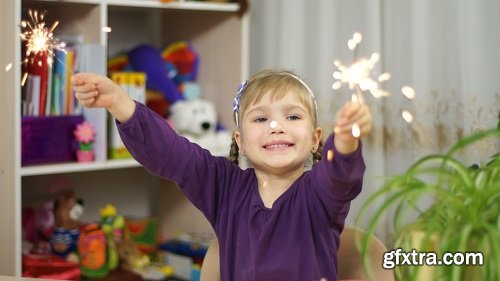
237	138
317	134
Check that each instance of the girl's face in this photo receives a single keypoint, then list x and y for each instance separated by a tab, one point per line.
277	136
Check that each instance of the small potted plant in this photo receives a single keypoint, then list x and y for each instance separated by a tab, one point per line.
85	135
463	216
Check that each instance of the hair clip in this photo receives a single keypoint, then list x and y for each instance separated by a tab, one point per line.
236	101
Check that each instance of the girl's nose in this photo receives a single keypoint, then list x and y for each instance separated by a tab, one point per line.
275	127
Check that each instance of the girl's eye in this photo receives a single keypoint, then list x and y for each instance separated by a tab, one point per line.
293	117
260	119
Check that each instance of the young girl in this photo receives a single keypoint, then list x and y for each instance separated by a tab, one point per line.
275	220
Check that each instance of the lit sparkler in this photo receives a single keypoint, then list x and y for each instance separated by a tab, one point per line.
358	76
39	40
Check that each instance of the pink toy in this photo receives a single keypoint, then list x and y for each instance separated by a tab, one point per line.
85	135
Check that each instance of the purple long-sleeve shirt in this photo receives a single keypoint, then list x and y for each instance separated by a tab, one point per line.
296	239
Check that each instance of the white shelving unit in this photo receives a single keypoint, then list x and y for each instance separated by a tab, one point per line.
216	31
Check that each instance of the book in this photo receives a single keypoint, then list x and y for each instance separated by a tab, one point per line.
38	66
48	101
69	97
33	93
59	80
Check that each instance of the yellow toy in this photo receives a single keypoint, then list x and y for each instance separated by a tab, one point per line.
113	226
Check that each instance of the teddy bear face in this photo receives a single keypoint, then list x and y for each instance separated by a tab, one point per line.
194	117
67	210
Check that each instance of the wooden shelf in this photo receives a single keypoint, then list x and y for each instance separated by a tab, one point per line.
180	5
77	167
157	4
92	2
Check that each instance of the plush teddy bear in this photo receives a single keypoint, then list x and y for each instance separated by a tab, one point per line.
68	210
196	119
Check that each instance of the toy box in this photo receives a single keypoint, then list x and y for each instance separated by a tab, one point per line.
48	139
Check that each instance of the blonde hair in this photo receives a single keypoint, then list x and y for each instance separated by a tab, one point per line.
277	83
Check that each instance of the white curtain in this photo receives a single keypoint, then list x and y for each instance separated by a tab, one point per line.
448	51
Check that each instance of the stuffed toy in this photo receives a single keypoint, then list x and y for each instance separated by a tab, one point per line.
182	60
196	119
68	210
148	59
67	213
166	70
37	222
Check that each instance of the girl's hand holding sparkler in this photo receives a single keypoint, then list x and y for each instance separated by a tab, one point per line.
353	121
97	91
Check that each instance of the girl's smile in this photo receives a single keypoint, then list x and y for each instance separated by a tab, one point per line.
277	145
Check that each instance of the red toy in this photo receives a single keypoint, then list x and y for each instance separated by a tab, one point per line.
50	267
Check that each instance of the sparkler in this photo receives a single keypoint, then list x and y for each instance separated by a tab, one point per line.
39	39
358	76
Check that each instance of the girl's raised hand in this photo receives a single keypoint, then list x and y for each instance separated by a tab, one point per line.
352	114
93	90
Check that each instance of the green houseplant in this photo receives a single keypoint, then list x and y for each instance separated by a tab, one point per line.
464	215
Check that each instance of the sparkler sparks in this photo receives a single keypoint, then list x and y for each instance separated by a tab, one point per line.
408	92
358	76
39	40
407	116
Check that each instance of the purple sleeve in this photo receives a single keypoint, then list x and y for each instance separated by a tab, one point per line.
155	145
338	181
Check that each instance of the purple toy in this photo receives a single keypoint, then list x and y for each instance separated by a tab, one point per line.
148	59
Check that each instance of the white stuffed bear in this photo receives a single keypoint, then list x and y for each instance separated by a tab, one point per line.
196	120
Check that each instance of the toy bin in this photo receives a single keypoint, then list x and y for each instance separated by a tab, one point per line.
48	139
